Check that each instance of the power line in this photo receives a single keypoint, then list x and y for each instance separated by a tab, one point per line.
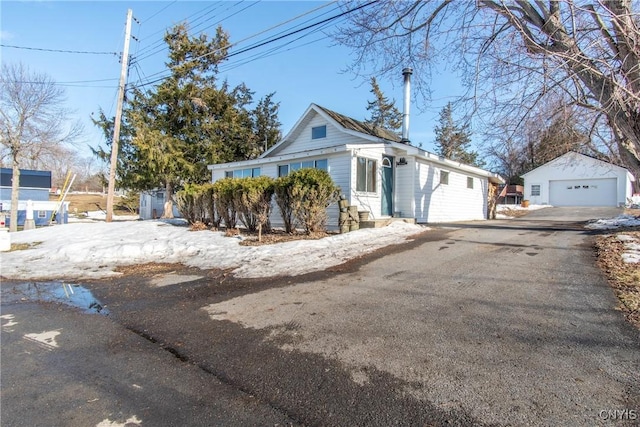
158	12
268	41
213	7
60	50
162	47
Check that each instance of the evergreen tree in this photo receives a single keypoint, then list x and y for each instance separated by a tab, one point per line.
266	123
384	113
453	141
174	130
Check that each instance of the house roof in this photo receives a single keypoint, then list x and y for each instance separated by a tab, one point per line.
28	178
362	127
576	155
344	123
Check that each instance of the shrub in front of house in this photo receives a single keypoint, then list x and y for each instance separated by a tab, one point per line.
190	203
224	196
284	199
253	202
309	192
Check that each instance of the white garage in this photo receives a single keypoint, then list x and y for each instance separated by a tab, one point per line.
577	180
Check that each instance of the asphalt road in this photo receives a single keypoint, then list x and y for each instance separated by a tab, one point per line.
484	323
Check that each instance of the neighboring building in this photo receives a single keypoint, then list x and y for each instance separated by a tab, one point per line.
374	169
574	179
35	186
152	204
511	195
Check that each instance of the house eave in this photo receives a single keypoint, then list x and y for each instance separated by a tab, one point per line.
434	158
285	157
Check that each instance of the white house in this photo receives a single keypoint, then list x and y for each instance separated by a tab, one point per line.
374	169
574	179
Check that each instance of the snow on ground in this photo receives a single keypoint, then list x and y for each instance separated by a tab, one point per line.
612	223
502	209
631	252
83	250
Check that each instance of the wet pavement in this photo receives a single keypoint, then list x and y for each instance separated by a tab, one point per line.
70	294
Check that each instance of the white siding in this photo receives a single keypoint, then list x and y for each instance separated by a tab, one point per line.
436	202
404	188
305	143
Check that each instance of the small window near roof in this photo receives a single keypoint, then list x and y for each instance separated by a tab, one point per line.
319	132
444	177
469	182
42	214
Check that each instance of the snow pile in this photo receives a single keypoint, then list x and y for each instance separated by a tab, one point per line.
631	254
612	223
94	249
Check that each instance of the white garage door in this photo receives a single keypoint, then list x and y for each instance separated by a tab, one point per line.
583	192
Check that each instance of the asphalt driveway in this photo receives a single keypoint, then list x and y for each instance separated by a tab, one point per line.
509	322
485	323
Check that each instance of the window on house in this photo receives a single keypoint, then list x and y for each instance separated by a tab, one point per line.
319	132
469	182
535	190
444	177
322	164
42	214
366	175
283	170
243	173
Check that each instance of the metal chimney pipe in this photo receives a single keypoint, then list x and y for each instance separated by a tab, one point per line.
406	72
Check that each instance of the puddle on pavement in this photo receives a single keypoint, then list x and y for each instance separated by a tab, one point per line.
65	293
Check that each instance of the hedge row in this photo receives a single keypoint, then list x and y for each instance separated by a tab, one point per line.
302	196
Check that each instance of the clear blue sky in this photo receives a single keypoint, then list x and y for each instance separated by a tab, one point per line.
301	71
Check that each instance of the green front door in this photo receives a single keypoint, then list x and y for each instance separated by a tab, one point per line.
387	186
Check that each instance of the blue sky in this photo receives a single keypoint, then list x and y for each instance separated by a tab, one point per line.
310	69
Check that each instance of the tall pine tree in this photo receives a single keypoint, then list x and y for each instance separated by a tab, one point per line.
453	141
384	113
188	121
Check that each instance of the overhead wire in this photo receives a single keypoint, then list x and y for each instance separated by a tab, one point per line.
158	12
85	52
270	40
161	46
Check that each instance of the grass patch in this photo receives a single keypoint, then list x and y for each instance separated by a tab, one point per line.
23	246
88	202
623	277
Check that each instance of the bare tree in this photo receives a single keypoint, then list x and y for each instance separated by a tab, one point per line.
513	54
33	121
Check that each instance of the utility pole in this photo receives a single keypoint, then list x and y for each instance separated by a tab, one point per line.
118	119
